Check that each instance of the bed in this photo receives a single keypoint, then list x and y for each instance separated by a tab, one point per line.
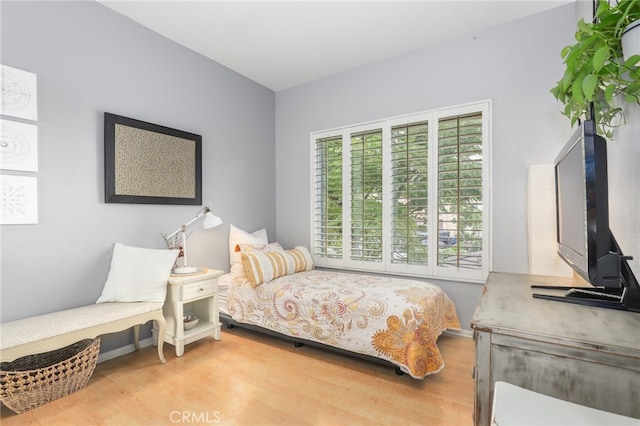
396	321
390	319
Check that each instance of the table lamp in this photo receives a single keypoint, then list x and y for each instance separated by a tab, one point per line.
210	221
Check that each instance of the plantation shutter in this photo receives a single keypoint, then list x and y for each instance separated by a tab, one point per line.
366	196
406	195
409	188
328	197
460	162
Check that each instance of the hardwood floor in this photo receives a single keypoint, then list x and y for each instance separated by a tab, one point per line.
251	379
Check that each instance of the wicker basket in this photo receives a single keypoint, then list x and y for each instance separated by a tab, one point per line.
34	380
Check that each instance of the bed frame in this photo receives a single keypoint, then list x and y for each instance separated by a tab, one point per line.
297	342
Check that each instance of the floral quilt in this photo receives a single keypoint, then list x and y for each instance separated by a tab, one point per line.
395	319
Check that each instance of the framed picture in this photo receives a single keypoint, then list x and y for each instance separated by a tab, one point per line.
19	93
146	163
19	200
18	146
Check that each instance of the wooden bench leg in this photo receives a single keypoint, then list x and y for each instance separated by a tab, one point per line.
136	336
162	329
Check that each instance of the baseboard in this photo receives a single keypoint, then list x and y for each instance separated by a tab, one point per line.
460	333
123	350
127	349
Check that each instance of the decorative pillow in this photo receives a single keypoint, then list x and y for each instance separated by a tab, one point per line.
138	274
302	259
262	267
238	236
254	248
238	268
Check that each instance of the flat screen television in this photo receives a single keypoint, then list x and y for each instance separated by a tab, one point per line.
584	240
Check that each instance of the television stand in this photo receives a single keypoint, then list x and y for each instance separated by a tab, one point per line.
582	354
623	299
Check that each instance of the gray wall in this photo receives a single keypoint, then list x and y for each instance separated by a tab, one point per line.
623	154
514	64
89	60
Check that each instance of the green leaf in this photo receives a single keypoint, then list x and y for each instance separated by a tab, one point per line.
567	110
589	84
584	27
610	69
608	94
578	93
600	57
571	61
632	61
573	120
567	79
603	7
633	88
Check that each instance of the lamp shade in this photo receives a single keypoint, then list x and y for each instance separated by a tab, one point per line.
211	221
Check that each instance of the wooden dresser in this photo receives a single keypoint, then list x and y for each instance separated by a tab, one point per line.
586	355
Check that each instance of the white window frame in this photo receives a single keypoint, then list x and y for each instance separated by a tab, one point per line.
432	270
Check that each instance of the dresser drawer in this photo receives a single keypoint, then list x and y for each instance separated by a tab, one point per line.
198	290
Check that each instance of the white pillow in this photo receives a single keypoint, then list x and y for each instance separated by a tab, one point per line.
237	236
138	274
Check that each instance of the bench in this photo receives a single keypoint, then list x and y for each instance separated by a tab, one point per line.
56	330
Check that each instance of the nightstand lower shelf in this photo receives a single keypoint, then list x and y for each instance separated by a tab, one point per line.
192	294
200	331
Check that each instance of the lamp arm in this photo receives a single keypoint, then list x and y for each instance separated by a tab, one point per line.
183	228
210	221
167	237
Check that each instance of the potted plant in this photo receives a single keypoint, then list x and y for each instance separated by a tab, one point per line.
596	72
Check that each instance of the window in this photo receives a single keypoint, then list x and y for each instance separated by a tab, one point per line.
366	196
460	163
328	219
409	193
405	195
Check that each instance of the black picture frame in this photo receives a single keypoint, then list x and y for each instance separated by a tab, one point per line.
146	163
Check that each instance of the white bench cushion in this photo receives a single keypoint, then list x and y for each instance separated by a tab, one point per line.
45	326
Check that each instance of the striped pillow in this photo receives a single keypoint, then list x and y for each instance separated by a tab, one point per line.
262	267
238	268
301	258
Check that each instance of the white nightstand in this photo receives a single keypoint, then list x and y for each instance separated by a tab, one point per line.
195	294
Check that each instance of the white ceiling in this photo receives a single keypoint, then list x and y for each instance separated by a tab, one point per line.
282	44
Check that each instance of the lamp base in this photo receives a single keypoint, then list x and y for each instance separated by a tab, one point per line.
185	270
